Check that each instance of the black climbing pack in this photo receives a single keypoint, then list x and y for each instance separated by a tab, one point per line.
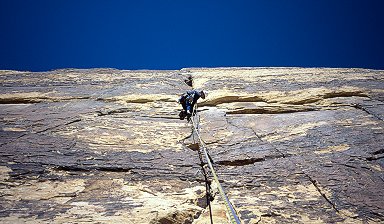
182	114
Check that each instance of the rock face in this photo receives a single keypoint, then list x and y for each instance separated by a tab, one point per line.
290	145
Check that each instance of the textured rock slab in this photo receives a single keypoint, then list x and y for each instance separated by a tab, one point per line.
290	145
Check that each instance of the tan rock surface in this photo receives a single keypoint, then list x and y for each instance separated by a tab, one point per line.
290	145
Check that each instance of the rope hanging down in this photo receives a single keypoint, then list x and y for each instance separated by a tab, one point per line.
207	183
231	211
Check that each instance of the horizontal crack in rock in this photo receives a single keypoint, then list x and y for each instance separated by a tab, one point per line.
27	100
88	169
240	162
381	151
163	117
267	111
113	169
149	98
376	155
344	94
127	101
328	96
20	101
71	168
117	111
231	99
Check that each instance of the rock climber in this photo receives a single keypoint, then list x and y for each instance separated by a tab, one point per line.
188	101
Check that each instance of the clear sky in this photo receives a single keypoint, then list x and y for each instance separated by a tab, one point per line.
39	35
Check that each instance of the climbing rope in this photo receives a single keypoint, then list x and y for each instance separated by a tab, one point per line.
207	183
207	187
230	210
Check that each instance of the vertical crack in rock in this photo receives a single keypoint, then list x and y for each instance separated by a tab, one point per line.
41	131
205	201
278	151
382	178
361	107
208	196
314	182
17	138
59	125
257	136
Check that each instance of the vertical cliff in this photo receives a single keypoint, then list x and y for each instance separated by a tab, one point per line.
290	145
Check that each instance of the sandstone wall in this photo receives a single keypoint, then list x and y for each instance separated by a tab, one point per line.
290	145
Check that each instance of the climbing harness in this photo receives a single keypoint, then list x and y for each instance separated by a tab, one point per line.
230	210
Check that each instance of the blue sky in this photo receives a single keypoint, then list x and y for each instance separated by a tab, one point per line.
41	35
